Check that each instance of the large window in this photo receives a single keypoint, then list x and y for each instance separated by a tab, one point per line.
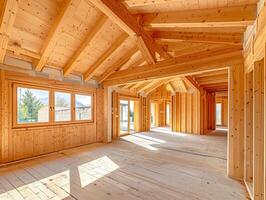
83	109
62	106
35	106
32	105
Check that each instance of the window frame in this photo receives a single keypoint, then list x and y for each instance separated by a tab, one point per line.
51	97
92	106
53	106
15	106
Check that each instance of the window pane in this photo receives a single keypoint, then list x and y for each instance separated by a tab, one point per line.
62	106
218	114
32	105
83	107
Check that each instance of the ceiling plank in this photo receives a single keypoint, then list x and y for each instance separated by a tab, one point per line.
201	37
67	11
217	17
119	14
7	19
79	53
118	64
92	69
211	61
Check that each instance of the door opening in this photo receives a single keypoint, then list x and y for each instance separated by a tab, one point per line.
218	114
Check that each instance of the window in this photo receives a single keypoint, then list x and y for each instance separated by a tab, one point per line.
35	106
32	105
62	106
83	107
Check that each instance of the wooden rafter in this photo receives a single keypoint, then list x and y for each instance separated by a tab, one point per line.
118	64
217	17
190	80
92	69
7	19
66	12
201	37
82	48
118	13
182	66
155	84
172	88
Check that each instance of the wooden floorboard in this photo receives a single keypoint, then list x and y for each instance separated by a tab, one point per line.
151	166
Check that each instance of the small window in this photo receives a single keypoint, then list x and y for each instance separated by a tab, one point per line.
62	106
32	105
83	109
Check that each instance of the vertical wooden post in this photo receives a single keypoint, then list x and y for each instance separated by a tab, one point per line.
235	161
2	78
99	114
115	115
248	129
258	130
107	115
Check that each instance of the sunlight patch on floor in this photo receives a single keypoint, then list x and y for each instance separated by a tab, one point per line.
96	169
143	141
168	131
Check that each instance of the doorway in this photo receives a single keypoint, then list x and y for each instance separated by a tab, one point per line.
127	116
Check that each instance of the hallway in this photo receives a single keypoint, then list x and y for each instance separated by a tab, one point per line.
158	165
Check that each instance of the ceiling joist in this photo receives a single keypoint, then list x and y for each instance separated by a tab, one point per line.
118	13
84	45
118	64
237	16
67	11
92	69
201	37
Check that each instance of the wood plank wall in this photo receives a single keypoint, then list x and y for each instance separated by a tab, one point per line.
207	111
255	110
185	112
235	146
248	129
258	130
224	102
20	143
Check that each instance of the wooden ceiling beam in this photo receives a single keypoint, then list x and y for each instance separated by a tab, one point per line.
92	69
67	11
217	17
119	14
201	37
118	64
79	53
182	66
7	19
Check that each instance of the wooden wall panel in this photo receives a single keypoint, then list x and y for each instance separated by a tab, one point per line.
258	131
20	143
248	129
186	112
235	146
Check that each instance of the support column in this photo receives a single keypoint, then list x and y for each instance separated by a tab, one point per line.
107	115
235	145
258	130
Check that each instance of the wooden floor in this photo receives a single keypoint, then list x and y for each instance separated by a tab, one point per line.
158	165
